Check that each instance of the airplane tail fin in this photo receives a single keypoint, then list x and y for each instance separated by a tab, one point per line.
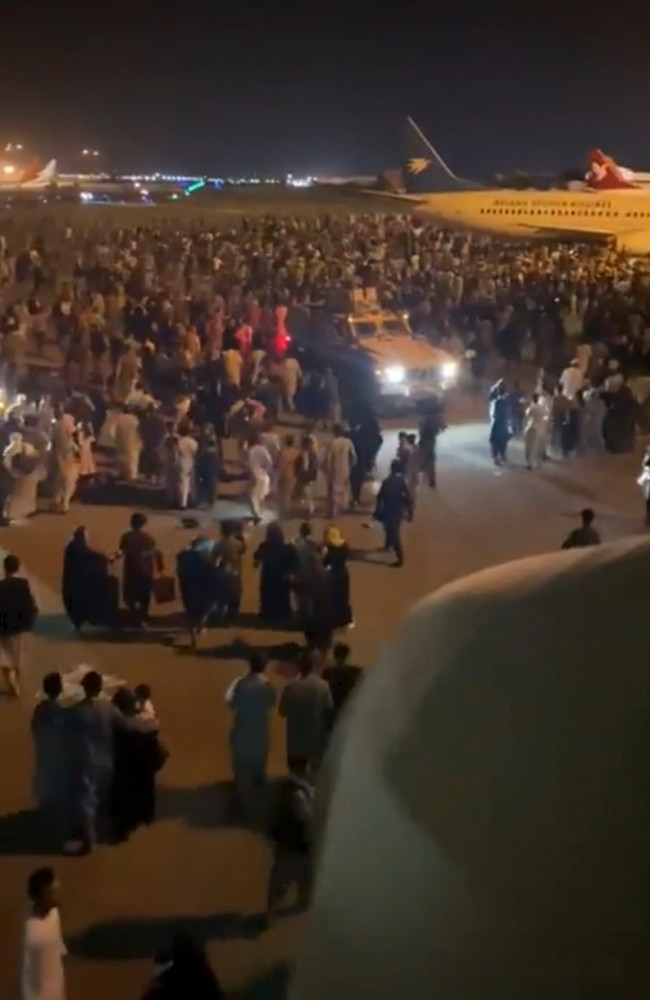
425	171
604	174
47	174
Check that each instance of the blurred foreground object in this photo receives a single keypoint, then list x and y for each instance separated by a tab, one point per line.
488	799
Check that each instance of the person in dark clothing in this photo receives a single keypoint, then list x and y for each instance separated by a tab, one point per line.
585	535
335	559
137	758
619	424
432	425
89	591
141	562
207	466
367	439
184	973
394	503
499	426
570	427
199	584
517	406
275	558
18	611
291	838
342	678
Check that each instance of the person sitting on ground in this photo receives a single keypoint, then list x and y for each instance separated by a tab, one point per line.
585	535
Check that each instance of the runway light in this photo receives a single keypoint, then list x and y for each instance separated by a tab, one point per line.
9	169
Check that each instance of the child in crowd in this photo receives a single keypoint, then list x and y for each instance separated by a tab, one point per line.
145	704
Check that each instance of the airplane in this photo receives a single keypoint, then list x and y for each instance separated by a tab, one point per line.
32	178
605	174
433	190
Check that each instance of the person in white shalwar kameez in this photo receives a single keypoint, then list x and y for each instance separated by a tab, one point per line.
340	456
128	445
535	431
42	975
185	465
260	465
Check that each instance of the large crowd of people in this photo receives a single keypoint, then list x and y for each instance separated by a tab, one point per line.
163	357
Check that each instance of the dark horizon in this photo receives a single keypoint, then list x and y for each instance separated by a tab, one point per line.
251	89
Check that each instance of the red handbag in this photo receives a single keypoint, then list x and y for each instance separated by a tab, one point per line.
164	588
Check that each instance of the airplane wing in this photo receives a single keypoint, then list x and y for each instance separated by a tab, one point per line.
411	199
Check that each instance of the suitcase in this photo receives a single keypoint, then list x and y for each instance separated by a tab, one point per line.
164	589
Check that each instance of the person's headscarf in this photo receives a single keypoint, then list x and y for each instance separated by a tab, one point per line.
333	537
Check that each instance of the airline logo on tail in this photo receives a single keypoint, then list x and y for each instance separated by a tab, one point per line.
605	174
425	171
417	165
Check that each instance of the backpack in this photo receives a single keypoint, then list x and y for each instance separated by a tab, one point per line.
291	828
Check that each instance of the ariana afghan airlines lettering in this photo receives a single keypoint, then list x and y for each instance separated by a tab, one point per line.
544	204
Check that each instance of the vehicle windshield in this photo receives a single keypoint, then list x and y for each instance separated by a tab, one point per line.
365	328
395	327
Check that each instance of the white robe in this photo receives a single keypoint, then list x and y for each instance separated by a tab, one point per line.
42	975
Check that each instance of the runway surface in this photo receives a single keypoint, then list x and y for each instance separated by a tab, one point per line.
193	866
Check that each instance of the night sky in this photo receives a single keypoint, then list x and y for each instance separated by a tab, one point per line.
204	87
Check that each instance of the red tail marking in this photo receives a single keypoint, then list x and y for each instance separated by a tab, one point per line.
604	174
31	171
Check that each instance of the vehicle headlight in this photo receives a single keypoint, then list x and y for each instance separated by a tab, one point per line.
395	374
449	371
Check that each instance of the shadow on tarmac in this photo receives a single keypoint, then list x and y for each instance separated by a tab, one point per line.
127	939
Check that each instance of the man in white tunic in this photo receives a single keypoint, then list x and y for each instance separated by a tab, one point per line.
291	373
186	451
128	445
340	456
42	976
535	424
260	465
488	795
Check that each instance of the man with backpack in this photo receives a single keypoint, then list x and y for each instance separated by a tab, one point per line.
291	838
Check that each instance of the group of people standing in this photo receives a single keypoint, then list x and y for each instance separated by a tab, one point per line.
564	417
95	762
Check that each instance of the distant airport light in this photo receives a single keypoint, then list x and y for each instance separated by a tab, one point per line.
9	169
